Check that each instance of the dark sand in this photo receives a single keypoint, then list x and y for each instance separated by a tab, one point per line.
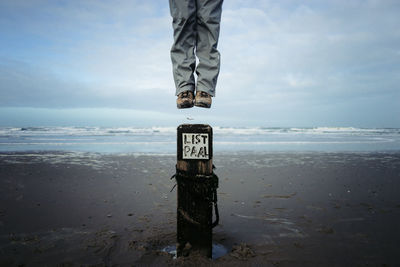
276	209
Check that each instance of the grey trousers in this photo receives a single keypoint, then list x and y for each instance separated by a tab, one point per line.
196	25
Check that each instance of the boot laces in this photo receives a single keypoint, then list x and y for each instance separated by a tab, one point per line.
203	94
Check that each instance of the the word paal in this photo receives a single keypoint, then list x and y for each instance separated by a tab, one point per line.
195	146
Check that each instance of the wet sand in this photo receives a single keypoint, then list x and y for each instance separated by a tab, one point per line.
276	209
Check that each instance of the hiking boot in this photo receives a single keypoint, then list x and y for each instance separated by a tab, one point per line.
202	100
185	100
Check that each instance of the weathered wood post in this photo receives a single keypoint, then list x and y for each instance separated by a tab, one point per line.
197	186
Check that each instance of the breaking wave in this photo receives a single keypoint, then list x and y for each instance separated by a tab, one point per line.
163	139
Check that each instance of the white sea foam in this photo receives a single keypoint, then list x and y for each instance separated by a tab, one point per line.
94	131
163	139
87	143
85	131
302	142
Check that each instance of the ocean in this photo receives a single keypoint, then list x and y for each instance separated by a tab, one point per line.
162	140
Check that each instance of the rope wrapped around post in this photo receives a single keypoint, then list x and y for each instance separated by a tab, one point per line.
202	186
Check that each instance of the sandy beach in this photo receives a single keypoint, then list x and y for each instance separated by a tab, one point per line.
276	209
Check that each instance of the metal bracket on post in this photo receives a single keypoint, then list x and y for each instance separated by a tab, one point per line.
197	190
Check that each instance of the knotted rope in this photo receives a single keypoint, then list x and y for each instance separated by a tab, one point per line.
202	186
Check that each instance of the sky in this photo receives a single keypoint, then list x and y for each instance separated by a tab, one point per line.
284	63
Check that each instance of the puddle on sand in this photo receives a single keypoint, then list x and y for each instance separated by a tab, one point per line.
218	250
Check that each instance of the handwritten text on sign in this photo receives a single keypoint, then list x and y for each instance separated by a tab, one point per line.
195	146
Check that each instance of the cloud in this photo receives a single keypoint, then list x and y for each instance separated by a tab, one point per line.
331	48
293	59
25	86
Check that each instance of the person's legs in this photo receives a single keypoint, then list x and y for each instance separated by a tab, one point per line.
208	25
183	58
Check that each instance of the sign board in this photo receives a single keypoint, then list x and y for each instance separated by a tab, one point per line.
195	146
194	142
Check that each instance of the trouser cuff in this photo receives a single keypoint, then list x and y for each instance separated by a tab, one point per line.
184	88
208	91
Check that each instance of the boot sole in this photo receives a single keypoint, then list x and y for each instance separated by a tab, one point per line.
185	105
202	105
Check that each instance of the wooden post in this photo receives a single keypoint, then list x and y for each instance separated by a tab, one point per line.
195	195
